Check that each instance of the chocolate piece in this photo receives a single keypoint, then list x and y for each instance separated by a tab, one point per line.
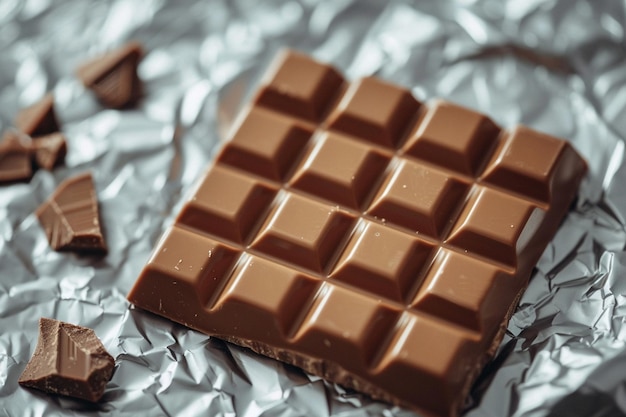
307	97
273	156
113	76
70	217
15	162
49	150
68	360
38	119
385	252
439	140
375	111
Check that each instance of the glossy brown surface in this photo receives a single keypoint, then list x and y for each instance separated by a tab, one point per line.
309	243
420	198
340	170
266	144
528	162
49	150
38	119
306	97
453	137
382	248
68	360
70	217
113	76
227	204
21	155
15	157
374	110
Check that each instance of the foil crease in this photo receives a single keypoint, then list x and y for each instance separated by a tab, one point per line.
557	66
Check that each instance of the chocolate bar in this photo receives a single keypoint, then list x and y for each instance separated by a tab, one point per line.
70	217
113	76
68	360
370	239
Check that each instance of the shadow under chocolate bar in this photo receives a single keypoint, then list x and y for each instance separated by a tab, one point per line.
350	230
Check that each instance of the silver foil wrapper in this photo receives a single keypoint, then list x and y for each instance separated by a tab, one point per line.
557	66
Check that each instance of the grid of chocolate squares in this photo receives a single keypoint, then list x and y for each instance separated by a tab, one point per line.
378	223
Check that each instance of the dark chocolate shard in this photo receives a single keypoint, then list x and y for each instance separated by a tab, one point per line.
113	76
15	157
68	360
70	217
38	119
49	151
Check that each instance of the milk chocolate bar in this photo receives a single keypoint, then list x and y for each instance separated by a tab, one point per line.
68	360
350	230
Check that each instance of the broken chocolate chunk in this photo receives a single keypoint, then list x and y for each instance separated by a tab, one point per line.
70	217
68	360
15	157
49	150
113	76
38	119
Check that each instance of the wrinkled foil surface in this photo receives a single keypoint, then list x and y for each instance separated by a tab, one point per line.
557	66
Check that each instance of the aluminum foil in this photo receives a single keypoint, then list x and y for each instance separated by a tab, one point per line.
558	66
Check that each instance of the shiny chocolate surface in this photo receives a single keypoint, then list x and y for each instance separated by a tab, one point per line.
386	242
70	217
69	360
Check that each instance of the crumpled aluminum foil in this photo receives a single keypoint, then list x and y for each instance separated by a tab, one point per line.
558	66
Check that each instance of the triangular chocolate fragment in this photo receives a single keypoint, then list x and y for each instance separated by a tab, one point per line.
49	150
15	153
38	119
113	76
70	217
68	360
